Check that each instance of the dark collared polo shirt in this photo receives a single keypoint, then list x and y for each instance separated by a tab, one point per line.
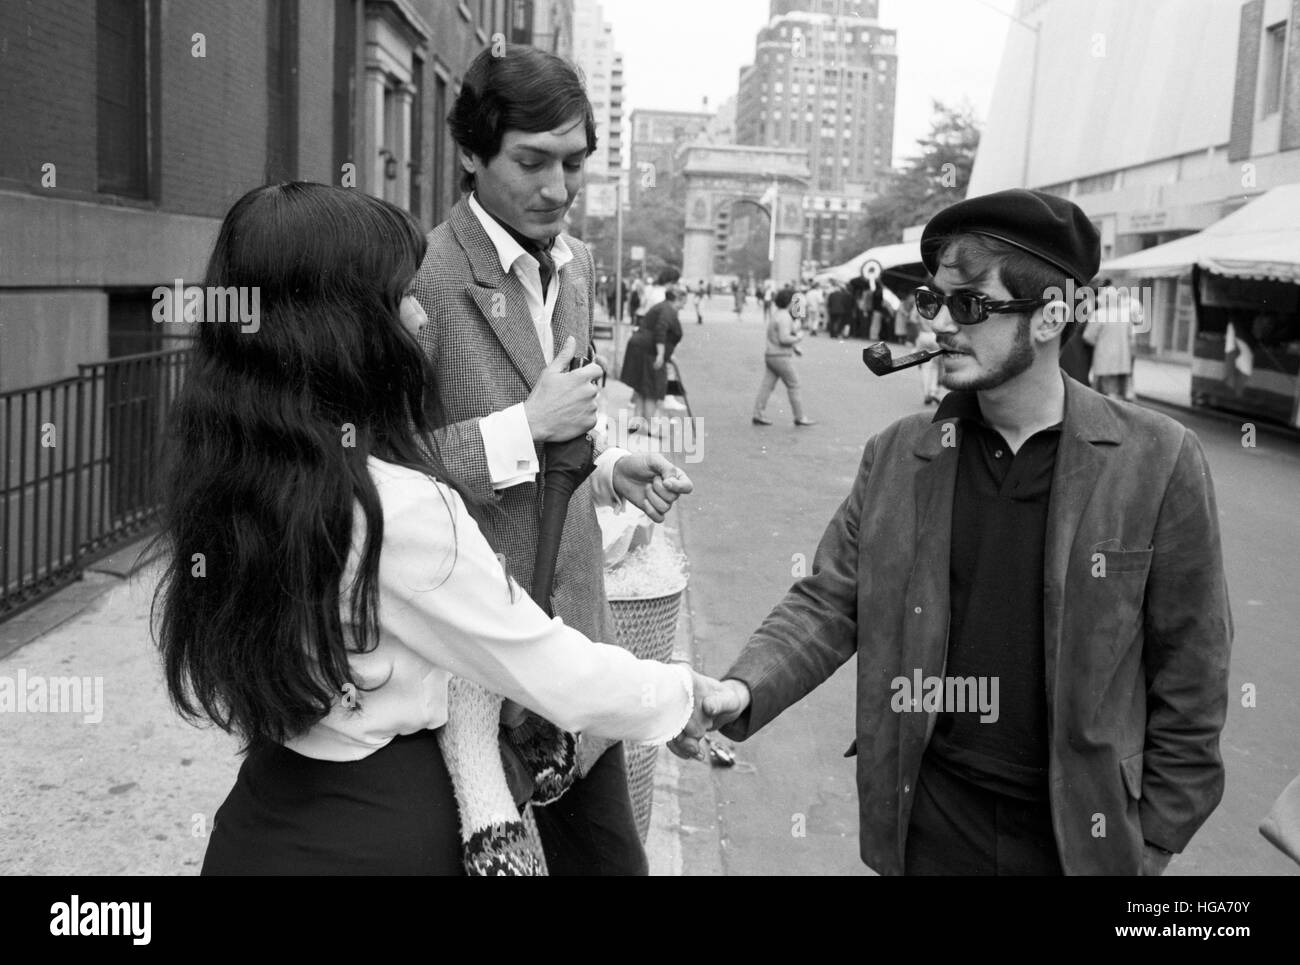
999	527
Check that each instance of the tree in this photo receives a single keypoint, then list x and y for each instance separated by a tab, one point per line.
929	182
655	221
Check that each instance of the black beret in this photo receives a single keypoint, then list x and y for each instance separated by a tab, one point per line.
1051	228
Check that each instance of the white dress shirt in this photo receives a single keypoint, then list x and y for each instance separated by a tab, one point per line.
507	436
445	607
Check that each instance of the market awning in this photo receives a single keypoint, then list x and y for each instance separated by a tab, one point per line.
887	256
1260	240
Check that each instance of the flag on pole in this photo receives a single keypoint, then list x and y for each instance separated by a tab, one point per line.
768	200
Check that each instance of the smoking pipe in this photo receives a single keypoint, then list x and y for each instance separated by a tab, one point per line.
881	361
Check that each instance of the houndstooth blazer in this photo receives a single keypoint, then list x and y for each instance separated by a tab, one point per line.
481	341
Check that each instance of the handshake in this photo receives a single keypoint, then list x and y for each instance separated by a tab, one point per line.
717	704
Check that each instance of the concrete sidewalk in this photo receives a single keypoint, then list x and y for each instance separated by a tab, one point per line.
1169	383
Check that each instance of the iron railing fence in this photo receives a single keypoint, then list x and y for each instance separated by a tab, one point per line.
79	466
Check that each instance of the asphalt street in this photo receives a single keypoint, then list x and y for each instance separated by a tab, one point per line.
763	497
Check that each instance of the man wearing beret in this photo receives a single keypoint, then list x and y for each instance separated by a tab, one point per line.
1032	582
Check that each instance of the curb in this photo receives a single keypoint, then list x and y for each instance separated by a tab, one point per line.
1219	415
74	599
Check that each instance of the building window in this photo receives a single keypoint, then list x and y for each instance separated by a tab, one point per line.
1273	54
121	98
281	90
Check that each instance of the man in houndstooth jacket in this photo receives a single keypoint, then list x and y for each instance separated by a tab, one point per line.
509	302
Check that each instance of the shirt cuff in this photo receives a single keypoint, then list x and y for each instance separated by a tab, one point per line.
602	480
508	447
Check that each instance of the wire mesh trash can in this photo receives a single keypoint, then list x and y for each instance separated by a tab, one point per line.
646	626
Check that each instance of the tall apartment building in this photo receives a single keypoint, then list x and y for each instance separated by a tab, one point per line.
602	69
657	136
131	126
824	79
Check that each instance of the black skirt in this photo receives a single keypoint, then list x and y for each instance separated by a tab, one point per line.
392	813
639	370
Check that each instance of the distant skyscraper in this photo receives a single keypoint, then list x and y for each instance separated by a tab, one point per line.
602	68
835	8
824	79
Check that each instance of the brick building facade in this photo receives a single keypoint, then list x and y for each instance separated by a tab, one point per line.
131	126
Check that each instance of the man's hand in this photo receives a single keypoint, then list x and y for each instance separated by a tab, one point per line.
717	703
650	482
728	702
562	405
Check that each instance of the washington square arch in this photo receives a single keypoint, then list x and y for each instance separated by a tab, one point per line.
721	176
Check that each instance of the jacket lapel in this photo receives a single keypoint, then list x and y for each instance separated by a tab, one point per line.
499	296
1088	428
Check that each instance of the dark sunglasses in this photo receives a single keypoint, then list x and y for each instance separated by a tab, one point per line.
970	308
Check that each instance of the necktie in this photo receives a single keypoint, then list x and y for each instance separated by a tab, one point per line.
545	267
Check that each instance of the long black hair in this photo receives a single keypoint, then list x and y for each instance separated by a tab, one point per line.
267	457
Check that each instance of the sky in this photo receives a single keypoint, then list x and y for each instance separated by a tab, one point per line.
676	52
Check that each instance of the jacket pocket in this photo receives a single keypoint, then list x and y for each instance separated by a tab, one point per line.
1131	770
1126	561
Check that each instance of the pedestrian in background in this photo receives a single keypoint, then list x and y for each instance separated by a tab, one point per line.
648	352
923	329
872	304
634	301
815	300
778	361
1110	333
839	311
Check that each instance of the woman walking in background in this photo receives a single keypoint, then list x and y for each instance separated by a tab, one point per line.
327	575
647	354
778	362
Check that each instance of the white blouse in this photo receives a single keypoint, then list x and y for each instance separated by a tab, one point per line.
445	607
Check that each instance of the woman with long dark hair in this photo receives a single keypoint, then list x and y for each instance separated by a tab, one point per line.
327	575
